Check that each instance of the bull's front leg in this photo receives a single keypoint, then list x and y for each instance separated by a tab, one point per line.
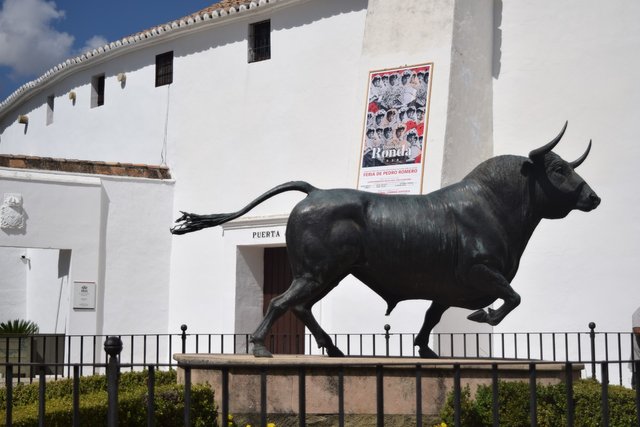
495	284
431	319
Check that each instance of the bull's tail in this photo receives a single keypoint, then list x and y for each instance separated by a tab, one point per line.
189	222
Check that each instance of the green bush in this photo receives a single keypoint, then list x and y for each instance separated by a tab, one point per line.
513	406
132	402
18	327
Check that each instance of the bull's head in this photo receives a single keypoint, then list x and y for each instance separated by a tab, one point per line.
559	188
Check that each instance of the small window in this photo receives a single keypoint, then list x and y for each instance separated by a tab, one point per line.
50	101
260	41
164	69
97	91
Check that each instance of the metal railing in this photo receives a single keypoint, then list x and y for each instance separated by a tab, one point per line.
113	346
62	352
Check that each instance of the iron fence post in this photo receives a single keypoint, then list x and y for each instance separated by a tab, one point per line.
495	390
9	392
592	338
183	328
341	396
187	397
419	395
569	393
636	375
42	384
151	400
75	419
263	396
533	398
387	327
379	396
113	347
302	397
225	396
457	396
604	366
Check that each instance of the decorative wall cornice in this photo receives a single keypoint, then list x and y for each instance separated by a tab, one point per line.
85	166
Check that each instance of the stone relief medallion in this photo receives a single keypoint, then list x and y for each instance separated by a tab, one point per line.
12	216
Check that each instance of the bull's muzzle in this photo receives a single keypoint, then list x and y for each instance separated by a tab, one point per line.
589	202
594	199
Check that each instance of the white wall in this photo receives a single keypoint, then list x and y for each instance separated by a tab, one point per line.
116	230
47	288
137	255
295	116
62	212
575	61
13	290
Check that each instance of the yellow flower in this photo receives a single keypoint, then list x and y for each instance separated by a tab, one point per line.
271	424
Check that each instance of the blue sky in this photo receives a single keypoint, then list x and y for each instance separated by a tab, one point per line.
38	34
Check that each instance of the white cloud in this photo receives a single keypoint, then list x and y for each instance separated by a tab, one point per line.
92	43
29	44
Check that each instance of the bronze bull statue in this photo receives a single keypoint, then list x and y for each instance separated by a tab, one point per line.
459	246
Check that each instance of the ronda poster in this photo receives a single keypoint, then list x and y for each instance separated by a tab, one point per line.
395	131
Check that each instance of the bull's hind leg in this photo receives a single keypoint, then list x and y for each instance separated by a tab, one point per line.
496	287
301	292
303	311
431	319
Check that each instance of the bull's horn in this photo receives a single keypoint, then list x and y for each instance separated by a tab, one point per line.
578	162
539	152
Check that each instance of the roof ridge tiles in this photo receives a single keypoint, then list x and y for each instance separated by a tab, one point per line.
221	9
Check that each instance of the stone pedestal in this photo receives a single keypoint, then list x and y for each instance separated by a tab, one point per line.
360	384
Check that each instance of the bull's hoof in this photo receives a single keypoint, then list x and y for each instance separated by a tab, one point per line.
427	353
480	316
334	352
261	351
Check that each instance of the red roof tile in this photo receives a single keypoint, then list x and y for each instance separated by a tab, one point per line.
85	166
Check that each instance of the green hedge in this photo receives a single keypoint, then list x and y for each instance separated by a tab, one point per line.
551	403
132	402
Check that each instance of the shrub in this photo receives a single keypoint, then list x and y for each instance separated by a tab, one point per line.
19	327
513	406
132	402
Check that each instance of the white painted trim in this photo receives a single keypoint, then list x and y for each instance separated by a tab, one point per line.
256	222
72	177
22	175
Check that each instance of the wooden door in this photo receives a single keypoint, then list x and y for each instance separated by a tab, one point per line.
287	333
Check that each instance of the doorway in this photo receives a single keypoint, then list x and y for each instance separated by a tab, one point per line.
287	333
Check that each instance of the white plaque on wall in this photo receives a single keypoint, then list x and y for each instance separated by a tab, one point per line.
84	295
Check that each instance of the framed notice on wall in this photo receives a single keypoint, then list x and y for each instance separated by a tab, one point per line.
395	130
84	295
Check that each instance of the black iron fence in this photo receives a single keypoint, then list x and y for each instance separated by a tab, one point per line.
113	347
60	353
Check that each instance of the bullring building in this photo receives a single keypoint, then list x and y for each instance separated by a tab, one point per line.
204	113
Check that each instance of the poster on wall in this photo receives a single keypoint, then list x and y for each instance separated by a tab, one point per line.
395	130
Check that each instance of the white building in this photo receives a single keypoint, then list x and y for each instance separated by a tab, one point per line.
505	77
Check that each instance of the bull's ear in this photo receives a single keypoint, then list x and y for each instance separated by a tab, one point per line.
525	170
538	153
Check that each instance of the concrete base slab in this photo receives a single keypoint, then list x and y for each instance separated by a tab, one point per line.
360	376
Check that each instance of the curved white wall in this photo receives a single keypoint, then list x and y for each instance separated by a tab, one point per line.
574	61
236	129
